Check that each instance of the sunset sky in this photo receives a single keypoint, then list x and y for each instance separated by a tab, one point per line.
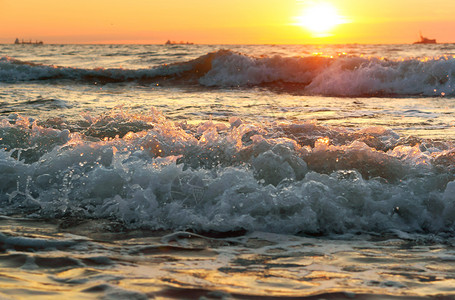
223	21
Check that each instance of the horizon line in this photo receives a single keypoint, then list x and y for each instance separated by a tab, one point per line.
208	44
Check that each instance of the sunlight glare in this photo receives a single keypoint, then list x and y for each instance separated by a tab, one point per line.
320	18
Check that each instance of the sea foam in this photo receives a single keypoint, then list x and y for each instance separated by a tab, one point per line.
276	177
312	75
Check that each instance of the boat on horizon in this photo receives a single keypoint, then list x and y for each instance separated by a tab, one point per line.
169	42
424	40
17	42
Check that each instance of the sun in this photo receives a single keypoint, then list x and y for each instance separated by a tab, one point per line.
320	18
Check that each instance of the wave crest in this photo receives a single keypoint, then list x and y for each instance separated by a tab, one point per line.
312	75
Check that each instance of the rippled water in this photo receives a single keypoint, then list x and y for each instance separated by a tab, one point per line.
237	172
90	260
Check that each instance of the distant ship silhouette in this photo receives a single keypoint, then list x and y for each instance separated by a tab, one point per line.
17	42
424	40
169	42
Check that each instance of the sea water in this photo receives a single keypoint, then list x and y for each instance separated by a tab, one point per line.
227	171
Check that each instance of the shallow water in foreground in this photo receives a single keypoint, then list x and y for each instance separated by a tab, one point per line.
44	260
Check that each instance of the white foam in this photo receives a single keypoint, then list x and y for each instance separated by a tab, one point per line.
328	76
215	177
342	76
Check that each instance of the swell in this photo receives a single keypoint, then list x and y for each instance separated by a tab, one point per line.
345	76
13	71
144	171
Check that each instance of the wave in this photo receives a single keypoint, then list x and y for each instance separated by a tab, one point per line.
345	76
144	171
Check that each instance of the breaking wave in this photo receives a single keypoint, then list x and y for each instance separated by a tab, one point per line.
312	75
145	171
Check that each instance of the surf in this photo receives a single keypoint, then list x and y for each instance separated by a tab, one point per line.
342	76
148	172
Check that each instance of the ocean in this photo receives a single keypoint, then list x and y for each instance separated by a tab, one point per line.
227	171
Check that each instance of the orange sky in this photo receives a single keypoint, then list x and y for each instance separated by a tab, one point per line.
221	21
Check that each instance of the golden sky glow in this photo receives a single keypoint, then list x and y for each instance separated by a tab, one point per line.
225	21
